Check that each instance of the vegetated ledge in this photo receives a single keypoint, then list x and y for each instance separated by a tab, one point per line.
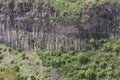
69	10
99	64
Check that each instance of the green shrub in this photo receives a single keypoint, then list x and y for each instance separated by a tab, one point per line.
0	52
90	74
23	56
15	68
101	73
113	45
2	69
1	78
19	50
81	74
107	46
103	65
110	73
90	65
32	77
55	53
117	73
1	49
12	62
5	49
19	76
82	58
9	50
1	56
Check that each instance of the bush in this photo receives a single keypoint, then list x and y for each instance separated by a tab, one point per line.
9	50
81	74
117	73
19	50
15	68
1	56
1	78
55	53
5	49
82	58
19	76
107	46
33	77
110	73
103	65
113	46
24	56
1	49
89	65
90	74
101	74
2	69
12	62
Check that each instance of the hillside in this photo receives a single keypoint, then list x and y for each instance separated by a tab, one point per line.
19	65
59	39
100	64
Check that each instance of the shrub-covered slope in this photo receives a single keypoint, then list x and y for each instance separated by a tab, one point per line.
19	65
101	64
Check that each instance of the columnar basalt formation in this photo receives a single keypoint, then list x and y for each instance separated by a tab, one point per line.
29	25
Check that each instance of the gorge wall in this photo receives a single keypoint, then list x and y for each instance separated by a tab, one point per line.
29	25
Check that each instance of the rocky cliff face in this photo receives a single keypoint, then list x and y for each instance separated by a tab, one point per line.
28	15
101	21
29	23
23	12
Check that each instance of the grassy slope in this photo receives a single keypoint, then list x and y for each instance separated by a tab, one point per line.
29	64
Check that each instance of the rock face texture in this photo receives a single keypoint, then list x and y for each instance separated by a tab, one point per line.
24	13
29	25
102	21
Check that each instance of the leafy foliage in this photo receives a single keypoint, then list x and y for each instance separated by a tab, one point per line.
113	46
93	65
69	10
19	65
